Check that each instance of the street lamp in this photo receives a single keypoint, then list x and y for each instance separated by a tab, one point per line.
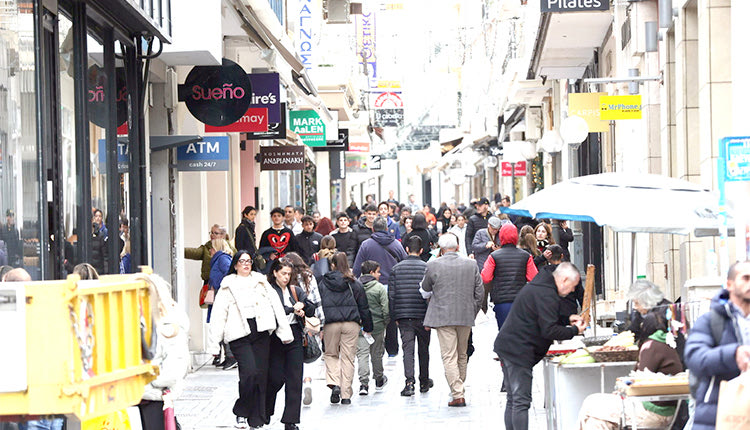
574	130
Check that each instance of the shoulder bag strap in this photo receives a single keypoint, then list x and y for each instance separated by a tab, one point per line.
293	292
393	254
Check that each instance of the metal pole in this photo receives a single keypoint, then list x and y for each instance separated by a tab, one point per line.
83	161
113	175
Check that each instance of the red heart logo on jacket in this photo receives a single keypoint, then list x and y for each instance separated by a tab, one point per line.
279	242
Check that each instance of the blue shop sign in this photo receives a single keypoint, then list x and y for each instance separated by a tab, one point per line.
211	154
735	158
123	158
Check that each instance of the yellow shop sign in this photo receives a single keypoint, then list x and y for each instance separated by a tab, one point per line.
620	107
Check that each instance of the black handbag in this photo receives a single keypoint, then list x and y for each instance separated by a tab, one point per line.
310	348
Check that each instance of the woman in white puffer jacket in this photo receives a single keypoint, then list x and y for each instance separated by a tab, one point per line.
245	313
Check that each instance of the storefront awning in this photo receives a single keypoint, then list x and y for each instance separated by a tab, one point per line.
565	43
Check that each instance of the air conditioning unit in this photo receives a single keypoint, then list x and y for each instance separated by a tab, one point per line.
533	119
336	11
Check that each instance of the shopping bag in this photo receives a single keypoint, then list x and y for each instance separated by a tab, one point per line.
734	404
202	296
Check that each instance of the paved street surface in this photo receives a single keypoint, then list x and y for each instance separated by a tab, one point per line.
206	402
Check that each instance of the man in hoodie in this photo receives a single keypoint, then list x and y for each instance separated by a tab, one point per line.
308	242
507	269
377	300
718	347
531	327
384	211
386	250
408	310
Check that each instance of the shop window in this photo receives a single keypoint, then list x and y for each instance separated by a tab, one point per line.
19	195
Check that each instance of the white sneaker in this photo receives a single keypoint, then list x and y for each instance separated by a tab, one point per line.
241	423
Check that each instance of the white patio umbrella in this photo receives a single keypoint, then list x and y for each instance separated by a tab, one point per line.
627	202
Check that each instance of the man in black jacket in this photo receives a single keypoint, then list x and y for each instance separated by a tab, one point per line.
408	309
308	242
244	235
346	238
478	221
363	228
527	334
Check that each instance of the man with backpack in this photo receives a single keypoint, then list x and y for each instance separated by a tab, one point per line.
718	347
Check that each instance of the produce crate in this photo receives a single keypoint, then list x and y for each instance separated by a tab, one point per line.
84	347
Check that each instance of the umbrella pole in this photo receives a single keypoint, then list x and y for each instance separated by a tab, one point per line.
632	257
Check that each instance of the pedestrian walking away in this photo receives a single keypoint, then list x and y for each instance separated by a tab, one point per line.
345	307
408	310
454	288
370	348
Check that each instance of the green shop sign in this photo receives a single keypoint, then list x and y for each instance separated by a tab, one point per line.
308	125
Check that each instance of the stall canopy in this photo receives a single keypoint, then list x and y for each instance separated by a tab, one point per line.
627	202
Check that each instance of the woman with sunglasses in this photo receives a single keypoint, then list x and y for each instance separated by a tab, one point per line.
246	312
286	361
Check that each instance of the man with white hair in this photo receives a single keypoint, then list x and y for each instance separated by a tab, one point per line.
531	327
455	289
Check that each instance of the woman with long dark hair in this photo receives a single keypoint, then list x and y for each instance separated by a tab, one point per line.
346	310
419	228
246	312
286	360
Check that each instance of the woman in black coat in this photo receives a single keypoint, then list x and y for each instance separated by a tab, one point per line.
419	228
286	360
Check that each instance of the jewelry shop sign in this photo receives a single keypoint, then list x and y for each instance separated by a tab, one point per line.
282	157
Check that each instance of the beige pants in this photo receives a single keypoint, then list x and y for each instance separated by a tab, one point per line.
603	412
340	340
454	341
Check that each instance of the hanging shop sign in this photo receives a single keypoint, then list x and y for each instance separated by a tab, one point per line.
276	130
308	125
123	158
282	157
265	88
388	100
574	5
365	25
340	144
308	22
508	170
337	163
359	146
356	163
97	105
389	117
620	107
254	120
217	95
211	154
586	105
735	153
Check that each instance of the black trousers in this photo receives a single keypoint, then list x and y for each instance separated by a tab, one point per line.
413	330
285	369
251	353
152	414
391	338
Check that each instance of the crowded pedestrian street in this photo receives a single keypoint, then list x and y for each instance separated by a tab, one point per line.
210	392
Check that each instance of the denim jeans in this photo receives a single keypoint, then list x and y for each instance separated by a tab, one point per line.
518	383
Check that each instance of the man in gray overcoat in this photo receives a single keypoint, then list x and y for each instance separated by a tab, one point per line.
455	291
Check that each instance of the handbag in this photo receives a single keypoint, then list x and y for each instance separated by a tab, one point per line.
312	325
310	348
202	296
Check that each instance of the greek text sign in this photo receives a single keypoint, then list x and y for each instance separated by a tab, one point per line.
365	25
97	104
737	158
586	105
255	119
308	125
620	107
282	157
574	5
212	154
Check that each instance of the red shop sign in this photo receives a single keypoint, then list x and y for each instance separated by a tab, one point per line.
507	168
254	120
